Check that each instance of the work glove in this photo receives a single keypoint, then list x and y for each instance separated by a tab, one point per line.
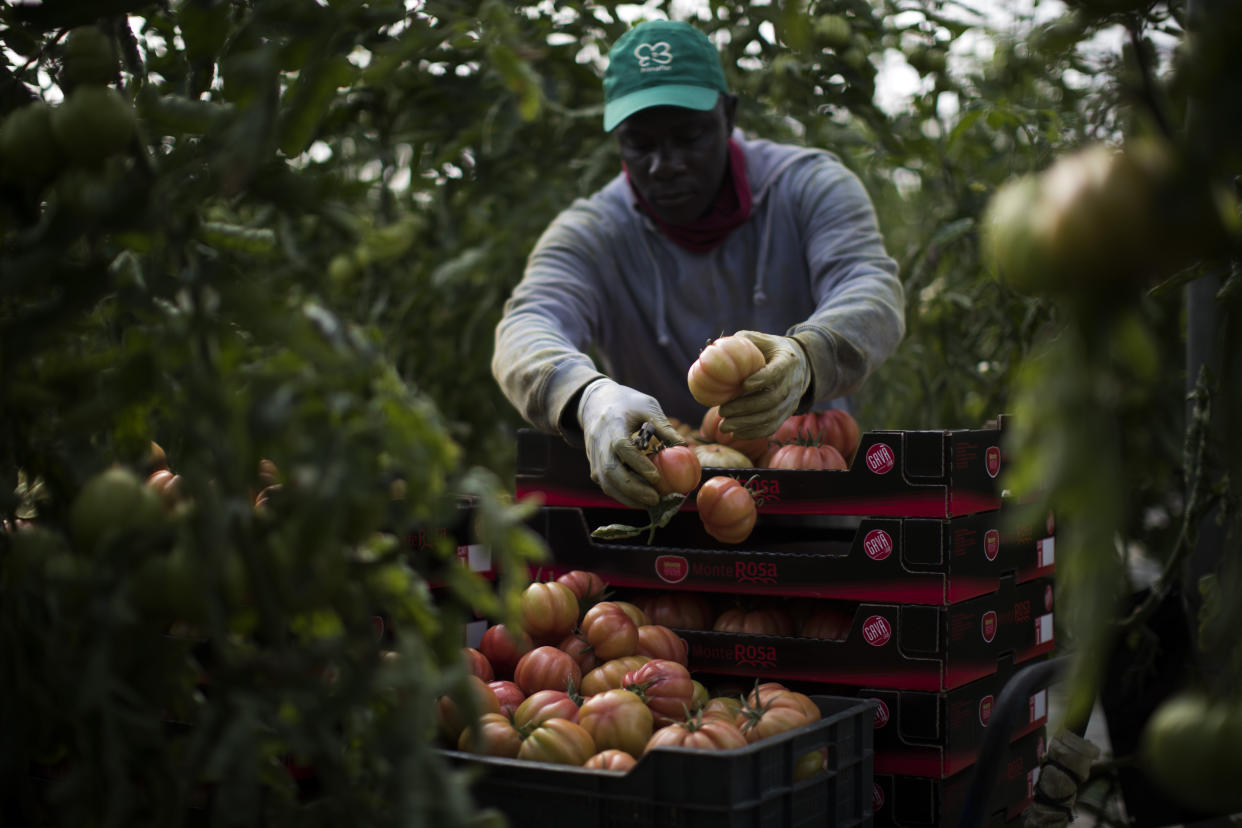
771	394
610	413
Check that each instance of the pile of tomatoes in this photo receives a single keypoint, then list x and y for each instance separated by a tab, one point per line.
590	681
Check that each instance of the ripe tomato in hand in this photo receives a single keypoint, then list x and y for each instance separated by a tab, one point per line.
609	630
617	719
549	611
546	668
680	470
726	509
716	376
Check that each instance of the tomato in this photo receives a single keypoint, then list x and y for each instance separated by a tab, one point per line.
713	433
617	719
587	587
769	621
679	610
634	612
840	430
610	631
726	509
796	427
611	760
451	717
508	694
680	470
494	735
542	705
27	149
503	647
716	376
828	622
833	31
88	58
701	733
810	764
1190	749
774	712
802	456
111	504
546	668
725	707
478	664
581	651
92	123
700	698
657	641
167	485
549	611
611	674
719	456
558	741
665	686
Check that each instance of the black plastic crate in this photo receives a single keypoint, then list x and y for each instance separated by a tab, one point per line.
751	786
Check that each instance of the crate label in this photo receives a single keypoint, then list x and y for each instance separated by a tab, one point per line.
877	631
992	460
1045	552
877	797
672	569
880	458
882	713
991	544
755	655
985	709
878	544
987	625
1043	628
477	557
1039	706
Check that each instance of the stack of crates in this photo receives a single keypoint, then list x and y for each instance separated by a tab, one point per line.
945	585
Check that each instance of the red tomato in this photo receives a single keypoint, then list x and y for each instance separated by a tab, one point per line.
704	734
611	760
800	456
679	469
828	621
775	712
665	686
679	610
770	621
840	430
610	631
796	427
617	719
503	647
451	715
658	641
508	694
611	674
580	649
494	735
558	741
478	664
543	705
716	376
549	611
712	432
546	668
587	587
726	509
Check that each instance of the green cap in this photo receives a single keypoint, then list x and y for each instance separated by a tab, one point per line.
661	63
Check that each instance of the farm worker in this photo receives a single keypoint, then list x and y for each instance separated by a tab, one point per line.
704	232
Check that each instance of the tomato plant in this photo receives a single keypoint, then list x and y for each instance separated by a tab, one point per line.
546	668
679	467
609	630
726	509
617	718
716	376
549	611
558	741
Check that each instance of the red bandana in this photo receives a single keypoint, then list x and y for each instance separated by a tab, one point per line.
730	209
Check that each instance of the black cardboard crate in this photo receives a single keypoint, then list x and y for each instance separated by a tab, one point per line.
919	802
901	473
935	561
751	786
901	646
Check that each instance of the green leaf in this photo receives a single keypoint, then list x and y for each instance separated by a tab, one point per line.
616	531
308	100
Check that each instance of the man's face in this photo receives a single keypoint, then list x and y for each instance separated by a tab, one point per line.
676	157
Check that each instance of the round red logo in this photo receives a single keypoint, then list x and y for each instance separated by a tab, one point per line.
878	545
991	544
877	631
877	797
987	625
672	568
985	709
881	713
880	458
992	460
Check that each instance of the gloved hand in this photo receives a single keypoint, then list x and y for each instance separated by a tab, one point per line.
771	394
610	413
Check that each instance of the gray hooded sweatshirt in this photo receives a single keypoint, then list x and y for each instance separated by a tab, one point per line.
603	280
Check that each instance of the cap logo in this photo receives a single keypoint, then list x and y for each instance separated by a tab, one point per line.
653	53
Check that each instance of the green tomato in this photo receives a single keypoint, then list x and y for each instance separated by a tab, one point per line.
93	123
1192	749
112	504
27	149
88	58
833	31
